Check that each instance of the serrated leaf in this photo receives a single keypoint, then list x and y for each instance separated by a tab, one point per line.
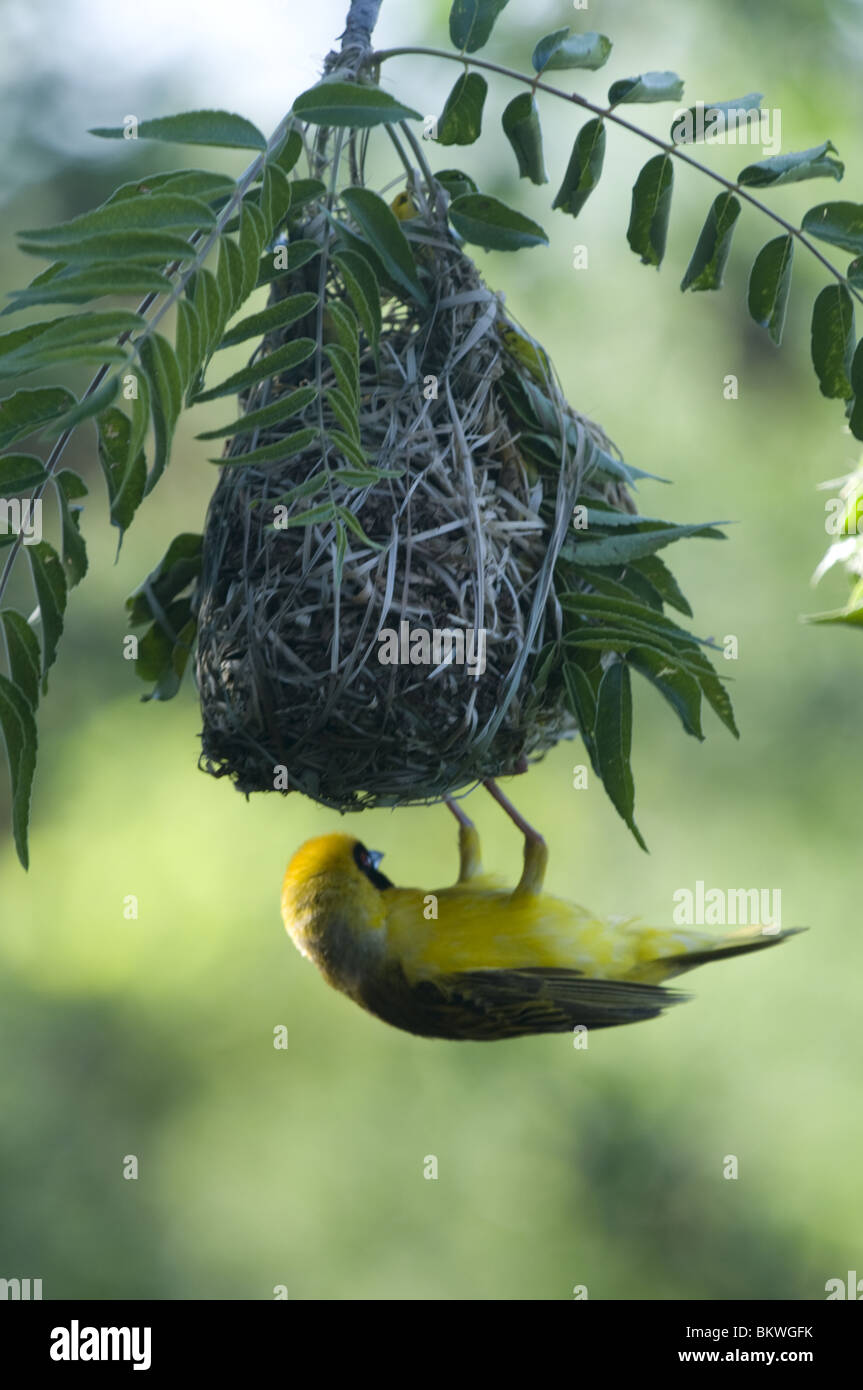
471	23
563	49
50	584
769	285
125	470
793	168
20	473
79	286
584	168
166	398
337	103
290	404
487	222
581	699
381	227
833	341
651	209
271	453
840	224
708	119
657	573
707	267
614	741
70	488
522	129
222	129
30	410
19	734
679	688
282	360
648	87
276	316
460	122
365	293
25	660
629	546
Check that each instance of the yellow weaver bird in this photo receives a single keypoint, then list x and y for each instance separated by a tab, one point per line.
477	960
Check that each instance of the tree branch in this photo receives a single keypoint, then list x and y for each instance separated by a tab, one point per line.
362	18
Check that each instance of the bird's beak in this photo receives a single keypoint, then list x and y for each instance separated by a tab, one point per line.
376	855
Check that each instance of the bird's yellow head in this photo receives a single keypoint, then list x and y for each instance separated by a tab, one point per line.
333	901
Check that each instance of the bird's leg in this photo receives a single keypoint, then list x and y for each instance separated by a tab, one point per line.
469	864
535	848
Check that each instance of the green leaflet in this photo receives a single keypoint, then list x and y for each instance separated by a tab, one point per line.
584	168
839	224
166	398
179	567
31	409
276	316
50	584
70	488
471	23
19	734
281	360
563	49
381	227
522	129
613	734
460	122
286	406
487	222
25	659
833	341
769	285
357	105
220	128
816	163
707	267
651	209
123	466
20	473
365	293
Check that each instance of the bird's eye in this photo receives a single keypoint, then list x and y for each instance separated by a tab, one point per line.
367	862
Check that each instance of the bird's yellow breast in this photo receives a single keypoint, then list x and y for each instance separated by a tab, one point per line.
481	925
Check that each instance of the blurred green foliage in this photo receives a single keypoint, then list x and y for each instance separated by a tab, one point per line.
557	1167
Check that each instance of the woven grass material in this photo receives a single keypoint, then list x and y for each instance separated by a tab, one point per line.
288	661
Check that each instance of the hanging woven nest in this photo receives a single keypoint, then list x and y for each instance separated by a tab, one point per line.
377	616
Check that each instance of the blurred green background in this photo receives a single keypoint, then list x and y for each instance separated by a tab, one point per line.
154	1037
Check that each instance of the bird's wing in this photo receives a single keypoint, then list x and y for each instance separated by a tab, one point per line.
483	1005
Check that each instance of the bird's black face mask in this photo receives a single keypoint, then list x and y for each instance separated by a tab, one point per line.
367	861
